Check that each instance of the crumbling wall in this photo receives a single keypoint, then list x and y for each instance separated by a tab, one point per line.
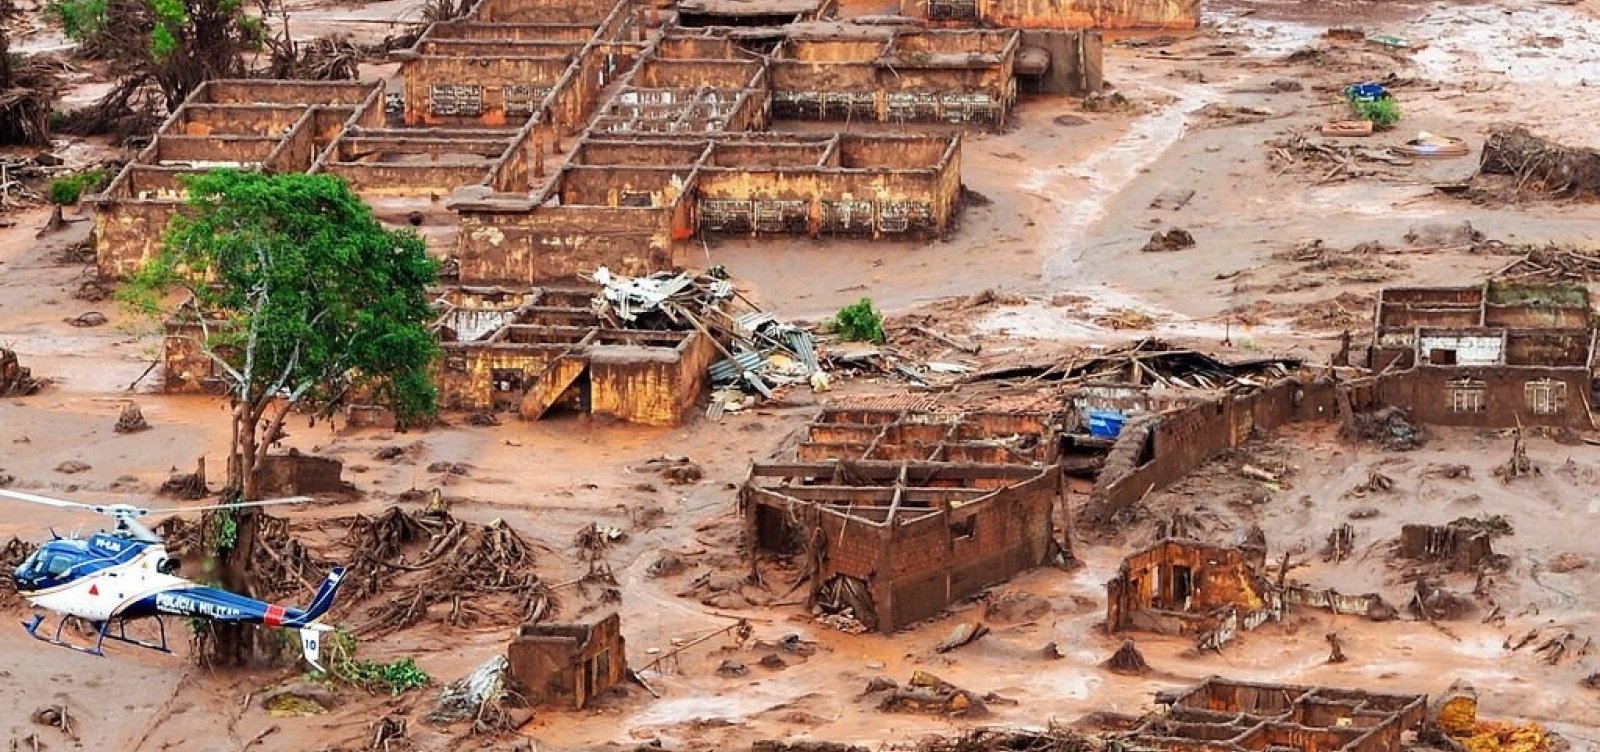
296	474
467	379
1459	548
658	385
1179	586
1492	396
567	665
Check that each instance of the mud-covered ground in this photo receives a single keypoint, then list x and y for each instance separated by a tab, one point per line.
1069	207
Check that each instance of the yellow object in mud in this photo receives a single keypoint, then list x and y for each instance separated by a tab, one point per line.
1505	737
1458	716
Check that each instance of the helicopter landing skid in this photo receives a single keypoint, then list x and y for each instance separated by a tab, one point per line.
102	633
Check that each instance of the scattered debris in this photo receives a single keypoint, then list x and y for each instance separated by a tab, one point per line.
482	696
72	467
1174	239
1519	465
677	471
1127	661
927	694
186	486
1347	128
1390	428
963	634
90	319
131	420
1433	145
56	717
1539	165
16	381
731	668
1341	543
1335	648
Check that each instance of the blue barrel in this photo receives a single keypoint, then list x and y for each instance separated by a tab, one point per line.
1106	424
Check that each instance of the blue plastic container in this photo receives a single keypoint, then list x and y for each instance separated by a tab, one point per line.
1106	424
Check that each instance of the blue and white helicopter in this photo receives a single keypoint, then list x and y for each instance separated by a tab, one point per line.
123	575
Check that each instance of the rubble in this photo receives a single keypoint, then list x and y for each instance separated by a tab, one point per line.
131	420
16	381
1536	164
926	694
1174	239
1390	429
1127	661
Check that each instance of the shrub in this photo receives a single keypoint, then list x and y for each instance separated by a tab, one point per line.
1383	113
68	189
859	322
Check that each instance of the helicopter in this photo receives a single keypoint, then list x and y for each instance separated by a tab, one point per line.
123	575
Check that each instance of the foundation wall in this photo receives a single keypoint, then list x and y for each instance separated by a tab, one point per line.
566	665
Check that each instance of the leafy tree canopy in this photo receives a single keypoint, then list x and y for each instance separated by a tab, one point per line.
319	298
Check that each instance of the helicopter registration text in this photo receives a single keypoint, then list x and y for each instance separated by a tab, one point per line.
179	604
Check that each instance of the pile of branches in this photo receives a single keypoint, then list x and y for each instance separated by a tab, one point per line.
1554	263
320	59
1334	161
1052	739
479	571
11	556
29	88
1540	165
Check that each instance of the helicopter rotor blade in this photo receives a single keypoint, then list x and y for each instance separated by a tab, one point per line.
48	501
262	503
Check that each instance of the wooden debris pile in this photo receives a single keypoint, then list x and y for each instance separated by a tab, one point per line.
1332	161
1554	263
1150	362
414	562
1539	165
319	59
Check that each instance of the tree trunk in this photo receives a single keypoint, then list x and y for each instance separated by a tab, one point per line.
238	645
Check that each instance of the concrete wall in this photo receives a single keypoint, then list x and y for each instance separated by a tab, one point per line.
653	386
556	243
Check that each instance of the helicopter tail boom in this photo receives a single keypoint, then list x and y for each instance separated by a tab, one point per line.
323	600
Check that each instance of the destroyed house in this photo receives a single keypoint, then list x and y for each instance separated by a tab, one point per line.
898	542
633	203
1493	355
903	513
1056	14
277	126
1222	715
567	665
535	352
507	64
887	74
1183	587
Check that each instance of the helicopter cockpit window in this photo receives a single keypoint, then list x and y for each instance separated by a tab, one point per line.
58	565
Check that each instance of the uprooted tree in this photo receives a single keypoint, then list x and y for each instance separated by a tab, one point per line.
302	298
161	47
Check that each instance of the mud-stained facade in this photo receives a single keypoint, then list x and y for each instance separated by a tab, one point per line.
1493	355
539	352
898	542
279	126
1456	547
1051	14
567	665
1183	587
1221	715
632	204
892	75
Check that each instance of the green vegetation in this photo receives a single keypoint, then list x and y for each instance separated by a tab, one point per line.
68	189
1384	113
394	677
859	322
320	302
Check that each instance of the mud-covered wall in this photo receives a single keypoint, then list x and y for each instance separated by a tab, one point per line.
566	665
465	376
1212	577
654	386
558	243
484	91
1057	14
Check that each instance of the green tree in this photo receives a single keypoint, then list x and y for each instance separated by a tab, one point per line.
302	297
175	44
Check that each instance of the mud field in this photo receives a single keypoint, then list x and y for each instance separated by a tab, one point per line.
1290	248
